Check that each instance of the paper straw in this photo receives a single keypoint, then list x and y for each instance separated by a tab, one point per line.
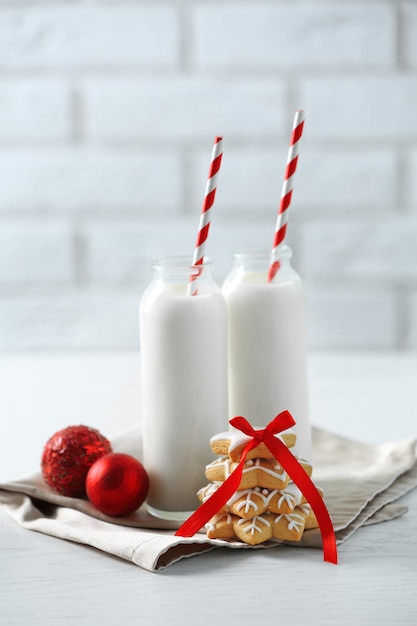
205	218
286	194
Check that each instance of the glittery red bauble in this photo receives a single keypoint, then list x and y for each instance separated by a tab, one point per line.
68	455
117	484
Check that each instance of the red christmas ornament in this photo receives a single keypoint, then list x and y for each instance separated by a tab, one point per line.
117	484
68	455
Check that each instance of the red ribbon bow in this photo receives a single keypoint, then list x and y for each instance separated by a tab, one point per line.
284	456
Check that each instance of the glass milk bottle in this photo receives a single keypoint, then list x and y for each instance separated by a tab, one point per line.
184	381
267	343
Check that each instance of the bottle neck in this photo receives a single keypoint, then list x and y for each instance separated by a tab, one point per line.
177	270
259	260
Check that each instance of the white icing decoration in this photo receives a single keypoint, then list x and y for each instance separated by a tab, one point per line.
247	503
305	509
251	524
291	495
257	465
269	495
208	490
252	465
295	521
211	525
224	462
237	495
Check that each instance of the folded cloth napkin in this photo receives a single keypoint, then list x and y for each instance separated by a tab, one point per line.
360	482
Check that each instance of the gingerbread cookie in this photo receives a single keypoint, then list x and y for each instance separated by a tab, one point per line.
262	527
247	503
221	526
255	530
267	504
204	494
250	502
220	469
233	442
256	473
283	500
253	524
310	517
288	526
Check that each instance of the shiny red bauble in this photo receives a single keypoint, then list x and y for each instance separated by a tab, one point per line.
68	455
117	484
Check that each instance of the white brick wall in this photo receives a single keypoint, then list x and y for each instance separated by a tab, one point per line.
413	322
413	179
410	34
294	35
34	110
381	251
75	178
362	108
33	254
183	108
327	180
80	319
89	37
108	110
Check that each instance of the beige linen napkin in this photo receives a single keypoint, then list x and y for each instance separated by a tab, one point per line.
360	482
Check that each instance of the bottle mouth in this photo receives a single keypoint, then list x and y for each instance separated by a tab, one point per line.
180	265
262	254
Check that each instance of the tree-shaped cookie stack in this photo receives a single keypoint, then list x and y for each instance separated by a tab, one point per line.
267	504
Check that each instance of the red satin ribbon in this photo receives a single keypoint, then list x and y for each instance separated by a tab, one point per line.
212	505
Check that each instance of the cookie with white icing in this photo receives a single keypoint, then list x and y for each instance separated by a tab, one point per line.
288	526
248	503
283	500
251	502
255	530
233	442
266	473
267	504
241	523
221	526
260	528
220	469
205	492
244	502
310	517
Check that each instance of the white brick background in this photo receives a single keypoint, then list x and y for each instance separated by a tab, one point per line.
108	109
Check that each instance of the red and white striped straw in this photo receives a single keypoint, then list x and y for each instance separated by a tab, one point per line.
286	194
205	217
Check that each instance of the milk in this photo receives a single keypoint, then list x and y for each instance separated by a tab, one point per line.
184	384
267	344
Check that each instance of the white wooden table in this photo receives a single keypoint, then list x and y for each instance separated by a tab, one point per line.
45	581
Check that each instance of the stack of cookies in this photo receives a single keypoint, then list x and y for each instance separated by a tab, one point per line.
267	504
